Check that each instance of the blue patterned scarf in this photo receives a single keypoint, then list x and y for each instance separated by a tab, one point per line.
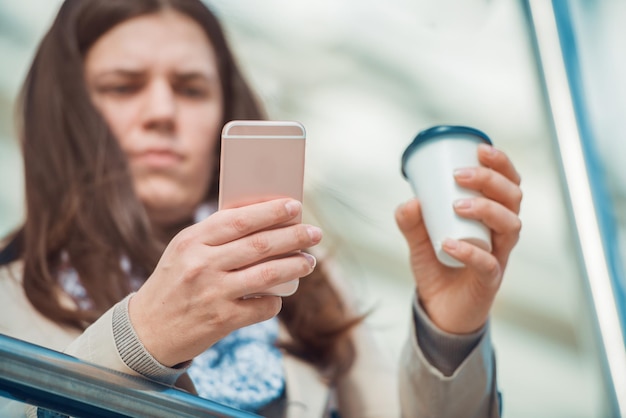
243	370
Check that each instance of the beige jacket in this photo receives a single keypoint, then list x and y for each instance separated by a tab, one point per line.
371	389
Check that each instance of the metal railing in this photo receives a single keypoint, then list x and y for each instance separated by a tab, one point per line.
55	381
556	50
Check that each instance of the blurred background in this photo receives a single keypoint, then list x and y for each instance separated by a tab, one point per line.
364	78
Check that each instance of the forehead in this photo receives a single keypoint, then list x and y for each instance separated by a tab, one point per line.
161	40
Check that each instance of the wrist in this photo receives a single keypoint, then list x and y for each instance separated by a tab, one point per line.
133	352
454	319
141	328
446	352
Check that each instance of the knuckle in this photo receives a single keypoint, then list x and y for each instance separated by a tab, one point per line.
240	224
484	174
301	235
221	321
481	204
479	208
192	271
517	195
260	244
279	211
184	241
492	267
268	275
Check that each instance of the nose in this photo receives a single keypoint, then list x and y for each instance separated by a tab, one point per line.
160	107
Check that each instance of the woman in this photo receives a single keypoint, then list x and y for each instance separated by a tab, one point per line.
122	260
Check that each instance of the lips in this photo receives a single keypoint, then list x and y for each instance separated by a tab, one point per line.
156	158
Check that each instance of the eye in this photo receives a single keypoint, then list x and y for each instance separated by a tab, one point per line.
119	89
192	92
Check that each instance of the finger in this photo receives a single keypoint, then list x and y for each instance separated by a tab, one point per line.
482	262
491	184
265	244
231	224
259	277
494	215
257	309
409	220
497	160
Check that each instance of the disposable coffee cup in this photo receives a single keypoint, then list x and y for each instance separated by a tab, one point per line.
428	163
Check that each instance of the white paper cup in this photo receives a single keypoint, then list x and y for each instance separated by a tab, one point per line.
428	163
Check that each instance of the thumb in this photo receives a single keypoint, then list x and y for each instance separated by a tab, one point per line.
411	223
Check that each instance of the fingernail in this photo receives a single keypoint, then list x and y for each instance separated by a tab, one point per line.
463	203
464	173
314	233
450	244
312	260
486	147
293	207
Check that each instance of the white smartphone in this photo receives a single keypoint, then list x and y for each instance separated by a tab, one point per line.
260	161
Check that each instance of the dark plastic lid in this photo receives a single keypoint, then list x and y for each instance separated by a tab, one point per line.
437	131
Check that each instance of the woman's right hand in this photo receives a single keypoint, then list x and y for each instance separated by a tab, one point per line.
195	296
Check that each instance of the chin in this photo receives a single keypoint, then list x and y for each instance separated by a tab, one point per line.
169	205
169	212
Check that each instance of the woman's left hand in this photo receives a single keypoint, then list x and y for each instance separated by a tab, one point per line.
458	300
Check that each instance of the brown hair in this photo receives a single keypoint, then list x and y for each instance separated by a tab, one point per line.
79	195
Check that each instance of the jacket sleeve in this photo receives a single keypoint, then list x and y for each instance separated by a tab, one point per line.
469	391
95	345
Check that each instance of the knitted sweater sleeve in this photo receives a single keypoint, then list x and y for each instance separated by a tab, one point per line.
112	342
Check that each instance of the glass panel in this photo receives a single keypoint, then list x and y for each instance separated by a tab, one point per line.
597	69
577	43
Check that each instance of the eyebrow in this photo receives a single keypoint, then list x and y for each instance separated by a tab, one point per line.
193	75
184	76
135	74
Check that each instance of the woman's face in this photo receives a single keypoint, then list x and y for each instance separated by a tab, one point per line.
155	80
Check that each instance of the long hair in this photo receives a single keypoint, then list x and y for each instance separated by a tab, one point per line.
79	195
